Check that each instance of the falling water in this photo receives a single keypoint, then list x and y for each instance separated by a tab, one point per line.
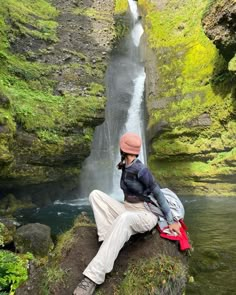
124	112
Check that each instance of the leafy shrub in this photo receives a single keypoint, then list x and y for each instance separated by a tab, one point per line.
13	271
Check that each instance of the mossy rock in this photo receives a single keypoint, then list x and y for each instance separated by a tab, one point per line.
34	238
7	231
9	204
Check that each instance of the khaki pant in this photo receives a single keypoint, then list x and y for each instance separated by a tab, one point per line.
116	222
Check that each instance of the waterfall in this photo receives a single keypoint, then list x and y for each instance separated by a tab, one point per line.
125	80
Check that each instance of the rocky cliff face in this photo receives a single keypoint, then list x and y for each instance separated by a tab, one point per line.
190	98
52	94
219	24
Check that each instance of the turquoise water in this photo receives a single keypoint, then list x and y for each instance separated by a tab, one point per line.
211	224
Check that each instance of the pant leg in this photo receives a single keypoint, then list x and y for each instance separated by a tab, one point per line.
125	225
106	210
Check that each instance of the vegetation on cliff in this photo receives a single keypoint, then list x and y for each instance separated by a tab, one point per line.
192	103
13	267
52	92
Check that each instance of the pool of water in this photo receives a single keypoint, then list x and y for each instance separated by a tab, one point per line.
59	216
211	224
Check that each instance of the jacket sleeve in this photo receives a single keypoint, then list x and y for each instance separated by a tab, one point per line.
147	179
165	208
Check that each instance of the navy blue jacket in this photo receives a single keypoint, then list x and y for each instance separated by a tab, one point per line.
137	183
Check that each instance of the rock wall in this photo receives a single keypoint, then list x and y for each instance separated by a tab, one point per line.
219	23
52	94
191	101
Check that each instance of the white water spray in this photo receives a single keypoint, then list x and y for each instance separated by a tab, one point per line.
133	9
124	113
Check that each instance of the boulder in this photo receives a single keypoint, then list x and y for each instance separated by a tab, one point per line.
34	238
77	247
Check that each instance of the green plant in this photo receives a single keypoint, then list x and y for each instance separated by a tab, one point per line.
159	275
2	229
13	271
54	274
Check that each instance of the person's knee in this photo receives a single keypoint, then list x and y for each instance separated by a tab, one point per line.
94	195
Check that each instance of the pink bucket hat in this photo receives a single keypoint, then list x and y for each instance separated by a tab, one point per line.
130	143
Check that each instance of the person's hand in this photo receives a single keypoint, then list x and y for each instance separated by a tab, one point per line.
175	227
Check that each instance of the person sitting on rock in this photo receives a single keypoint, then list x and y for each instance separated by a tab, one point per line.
117	222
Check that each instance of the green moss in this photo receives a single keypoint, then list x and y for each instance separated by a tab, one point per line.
5	155
224	158
193	80
35	18
232	64
48	136
121	6
52	111
159	275
96	89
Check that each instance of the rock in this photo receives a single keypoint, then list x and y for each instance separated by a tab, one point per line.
5	155
7	229
34	238
202	120
9	204
4	101
80	245
219	24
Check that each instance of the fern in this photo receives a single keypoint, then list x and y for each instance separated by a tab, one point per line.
13	271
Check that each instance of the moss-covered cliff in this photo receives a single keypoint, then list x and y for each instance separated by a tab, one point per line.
190	100
53	59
